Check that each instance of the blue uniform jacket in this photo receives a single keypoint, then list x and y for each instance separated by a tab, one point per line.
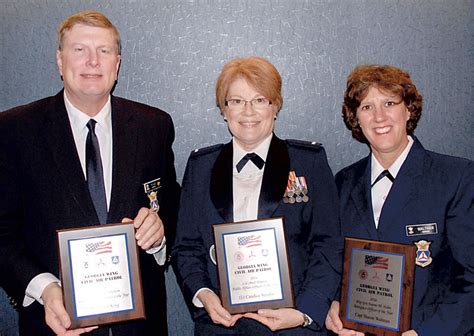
312	228
430	188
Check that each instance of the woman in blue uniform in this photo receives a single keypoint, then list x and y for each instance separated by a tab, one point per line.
247	179
403	193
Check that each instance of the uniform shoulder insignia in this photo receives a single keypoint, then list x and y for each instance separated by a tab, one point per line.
205	150
304	144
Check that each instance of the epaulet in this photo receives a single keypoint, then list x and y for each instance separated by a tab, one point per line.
304	144
205	150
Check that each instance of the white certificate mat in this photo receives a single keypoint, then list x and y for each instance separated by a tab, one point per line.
253	271
101	275
252	262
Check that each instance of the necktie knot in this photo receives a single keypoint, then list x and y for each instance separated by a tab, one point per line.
91	125
383	174
255	158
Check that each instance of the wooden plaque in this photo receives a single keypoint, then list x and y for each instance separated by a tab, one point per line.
100	274
253	266
377	286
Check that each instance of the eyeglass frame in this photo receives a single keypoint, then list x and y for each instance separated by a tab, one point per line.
248	101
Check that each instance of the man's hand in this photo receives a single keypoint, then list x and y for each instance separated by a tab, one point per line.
410	333
277	319
55	314
217	313
334	323
149	230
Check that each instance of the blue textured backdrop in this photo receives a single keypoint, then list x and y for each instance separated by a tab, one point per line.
174	50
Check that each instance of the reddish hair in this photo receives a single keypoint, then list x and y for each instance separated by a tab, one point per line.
258	72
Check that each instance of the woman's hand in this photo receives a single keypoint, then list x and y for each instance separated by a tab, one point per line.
334	323
277	319
217	313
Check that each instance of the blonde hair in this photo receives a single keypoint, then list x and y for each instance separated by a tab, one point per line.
88	18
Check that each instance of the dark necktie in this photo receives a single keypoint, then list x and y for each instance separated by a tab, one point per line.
383	174
255	158
95	175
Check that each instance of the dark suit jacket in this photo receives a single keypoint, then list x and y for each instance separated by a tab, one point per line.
429	188
312	229
43	189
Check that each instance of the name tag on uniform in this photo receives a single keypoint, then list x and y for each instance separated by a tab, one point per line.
421	229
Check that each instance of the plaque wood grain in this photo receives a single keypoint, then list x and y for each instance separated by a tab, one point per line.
405	307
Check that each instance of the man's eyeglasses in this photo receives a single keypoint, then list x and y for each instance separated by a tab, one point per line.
239	104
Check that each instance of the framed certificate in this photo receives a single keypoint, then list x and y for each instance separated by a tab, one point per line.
252	262
100	274
377	286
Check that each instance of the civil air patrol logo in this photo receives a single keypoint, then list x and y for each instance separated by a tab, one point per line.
423	254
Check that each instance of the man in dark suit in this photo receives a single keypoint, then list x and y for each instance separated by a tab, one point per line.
405	194
80	158
258	176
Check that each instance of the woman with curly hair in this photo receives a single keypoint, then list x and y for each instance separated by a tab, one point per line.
406	194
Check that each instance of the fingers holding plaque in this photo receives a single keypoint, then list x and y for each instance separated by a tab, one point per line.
253	266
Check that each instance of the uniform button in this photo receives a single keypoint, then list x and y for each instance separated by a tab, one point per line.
385	197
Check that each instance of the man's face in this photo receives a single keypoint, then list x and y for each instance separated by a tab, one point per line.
88	62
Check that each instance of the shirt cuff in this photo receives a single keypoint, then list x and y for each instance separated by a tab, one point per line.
310	320
196	302
159	252
35	288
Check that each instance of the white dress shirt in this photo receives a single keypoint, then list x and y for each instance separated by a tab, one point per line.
103	130
247	184
381	189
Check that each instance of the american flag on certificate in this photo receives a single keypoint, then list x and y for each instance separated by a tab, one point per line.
376	262
99	247
249	241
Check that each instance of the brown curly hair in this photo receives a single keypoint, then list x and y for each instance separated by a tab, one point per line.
386	78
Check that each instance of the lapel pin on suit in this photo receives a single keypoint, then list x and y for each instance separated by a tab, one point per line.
151	190
296	189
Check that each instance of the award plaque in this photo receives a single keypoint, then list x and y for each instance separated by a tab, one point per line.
377	286
100	274
252	262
